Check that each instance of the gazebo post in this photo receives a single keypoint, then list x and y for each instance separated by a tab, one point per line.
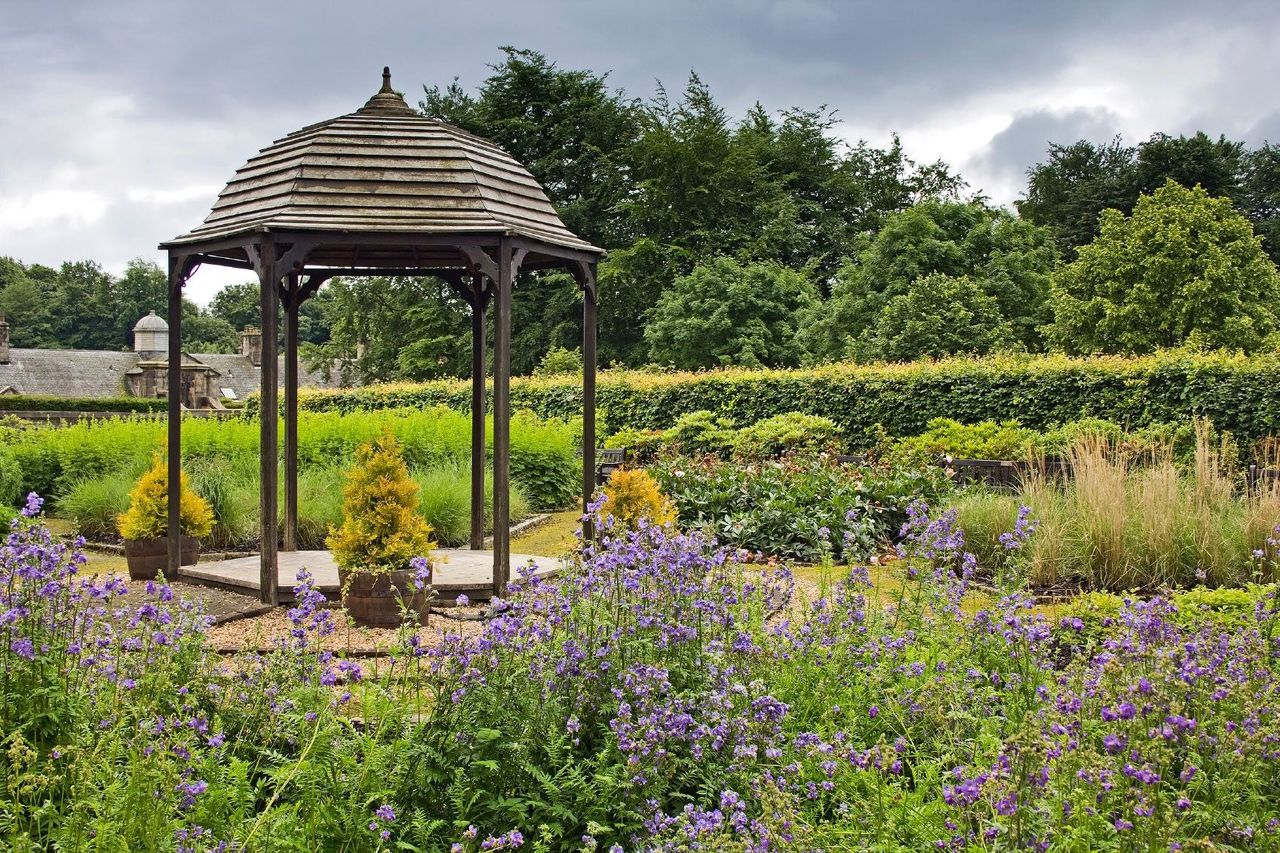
478	302
268	415
178	270
588	391
502	419
291	306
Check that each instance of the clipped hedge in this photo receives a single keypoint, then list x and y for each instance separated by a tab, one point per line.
50	403
1239	394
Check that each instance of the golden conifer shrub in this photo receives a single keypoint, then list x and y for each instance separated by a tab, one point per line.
148	513
632	494
381	528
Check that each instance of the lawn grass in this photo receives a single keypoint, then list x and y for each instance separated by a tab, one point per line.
552	538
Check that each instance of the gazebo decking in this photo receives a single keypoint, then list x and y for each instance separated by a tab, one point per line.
457	571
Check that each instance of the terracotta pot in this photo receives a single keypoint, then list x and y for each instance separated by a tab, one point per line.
374	599
147	557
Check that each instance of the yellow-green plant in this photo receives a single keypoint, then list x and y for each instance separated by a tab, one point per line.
381	529
632	494
148	513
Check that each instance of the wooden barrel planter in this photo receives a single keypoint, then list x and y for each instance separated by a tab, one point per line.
148	557
374	600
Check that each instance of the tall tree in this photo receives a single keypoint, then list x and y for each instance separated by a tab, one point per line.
938	315
1009	259
729	313
1184	267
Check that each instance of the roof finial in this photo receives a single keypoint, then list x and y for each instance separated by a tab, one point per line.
386	81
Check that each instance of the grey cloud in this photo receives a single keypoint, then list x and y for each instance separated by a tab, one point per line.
143	98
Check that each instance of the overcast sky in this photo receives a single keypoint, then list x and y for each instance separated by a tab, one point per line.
120	121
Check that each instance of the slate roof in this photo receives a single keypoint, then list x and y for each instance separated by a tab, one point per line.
66	372
100	373
384	168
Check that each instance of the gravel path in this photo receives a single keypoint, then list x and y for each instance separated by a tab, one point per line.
260	633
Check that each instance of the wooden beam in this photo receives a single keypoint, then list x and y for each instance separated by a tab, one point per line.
268	413
180	268
502	421
290	411
478	371
588	392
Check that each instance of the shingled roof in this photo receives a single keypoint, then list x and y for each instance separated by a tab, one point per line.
384	168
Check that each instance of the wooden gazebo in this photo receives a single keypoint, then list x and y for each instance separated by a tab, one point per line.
382	191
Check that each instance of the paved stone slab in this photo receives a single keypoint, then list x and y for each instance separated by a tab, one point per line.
456	571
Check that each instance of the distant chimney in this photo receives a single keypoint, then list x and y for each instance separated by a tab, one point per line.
251	345
4	341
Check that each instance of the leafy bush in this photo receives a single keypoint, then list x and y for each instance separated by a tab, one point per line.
800	508
631	495
381	530
47	403
10	477
984	440
779	435
148	514
558	361
1240	395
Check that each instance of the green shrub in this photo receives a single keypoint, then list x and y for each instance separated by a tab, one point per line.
642	444
792	432
381	530
558	361
10	478
48	403
983	440
700	432
94	505
798	508
1241	395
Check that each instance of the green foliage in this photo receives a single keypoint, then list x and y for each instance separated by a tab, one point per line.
784	434
445	501
95	505
1007	259
44	403
700	432
10	478
558	361
938	316
544	464
1240	395
983	440
1077	182
1184	268
728	313
381	530
147	516
798	508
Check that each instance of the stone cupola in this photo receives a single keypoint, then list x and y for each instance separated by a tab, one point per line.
151	337
4	340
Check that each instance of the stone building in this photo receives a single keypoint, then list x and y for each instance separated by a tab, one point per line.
207	378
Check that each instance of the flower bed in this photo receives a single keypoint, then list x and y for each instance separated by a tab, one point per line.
657	697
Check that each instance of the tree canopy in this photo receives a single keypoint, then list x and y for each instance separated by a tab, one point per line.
726	312
1008	259
1068	192
1185	267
